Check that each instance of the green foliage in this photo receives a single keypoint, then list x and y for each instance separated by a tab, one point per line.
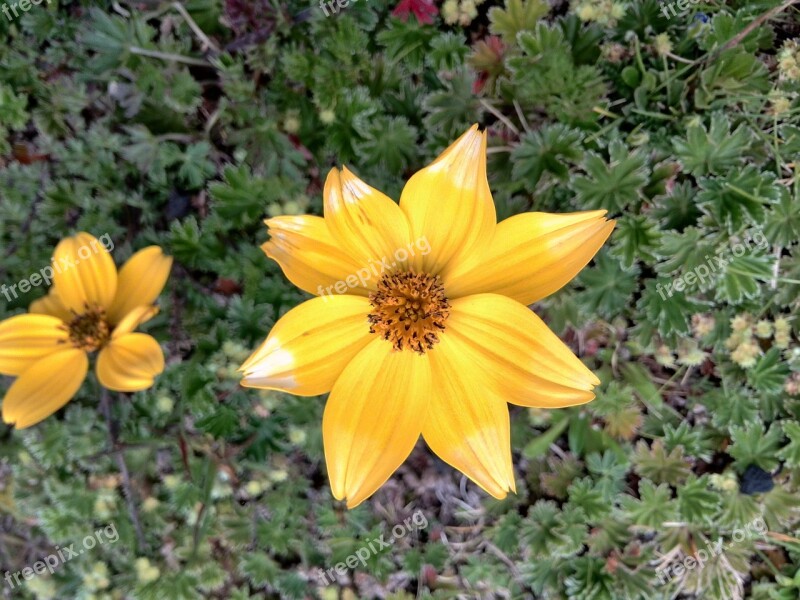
516	16
686	130
615	184
712	151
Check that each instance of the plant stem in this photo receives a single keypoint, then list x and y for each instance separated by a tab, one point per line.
105	405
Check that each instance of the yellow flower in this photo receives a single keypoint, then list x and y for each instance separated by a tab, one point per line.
90	308
430	338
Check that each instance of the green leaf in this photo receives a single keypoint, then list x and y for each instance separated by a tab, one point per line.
769	373
697	503
407	42
653	507
195	167
538	77
669	314
714	150
636	238
742	275
655	463
448	51
790	453
455	108
732	76
684	251
607	286
551	149
389	143
541	444
615	185
782	226
242	198
737	198
590	498
516	16
221	423
259	568
732	408
755	445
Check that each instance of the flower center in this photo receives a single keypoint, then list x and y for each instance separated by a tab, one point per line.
89	330
409	310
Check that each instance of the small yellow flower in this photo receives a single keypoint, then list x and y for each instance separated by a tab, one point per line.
764	329
664	356
91	307
741	322
690	353
702	325
428	331
745	354
146	572
662	44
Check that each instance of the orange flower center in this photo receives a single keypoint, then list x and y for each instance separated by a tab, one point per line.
89	330
409	310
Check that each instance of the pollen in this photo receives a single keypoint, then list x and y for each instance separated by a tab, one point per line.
409	310
89	330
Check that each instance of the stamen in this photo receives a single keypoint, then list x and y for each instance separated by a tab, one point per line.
410	310
89	330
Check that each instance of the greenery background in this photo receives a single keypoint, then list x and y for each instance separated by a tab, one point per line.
119	118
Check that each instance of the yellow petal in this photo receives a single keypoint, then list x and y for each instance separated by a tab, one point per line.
527	362
84	273
467	423
367	224
531	256
50	305
309	347
373	418
449	204
311	258
26	339
140	282
130	363
139	315
45	387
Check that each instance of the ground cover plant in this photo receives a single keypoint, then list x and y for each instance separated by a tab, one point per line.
183	125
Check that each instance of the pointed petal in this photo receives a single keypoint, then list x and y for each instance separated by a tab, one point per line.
50	305
531	256
84	273
45	387
367	224
26	339
373	418
309	347
130	363
528	363
449	204
467	423
311	258
139	315
140	282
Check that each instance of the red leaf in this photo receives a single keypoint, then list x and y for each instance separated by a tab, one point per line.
423	10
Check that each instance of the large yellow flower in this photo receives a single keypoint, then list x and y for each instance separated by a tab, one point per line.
90	308
422	324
